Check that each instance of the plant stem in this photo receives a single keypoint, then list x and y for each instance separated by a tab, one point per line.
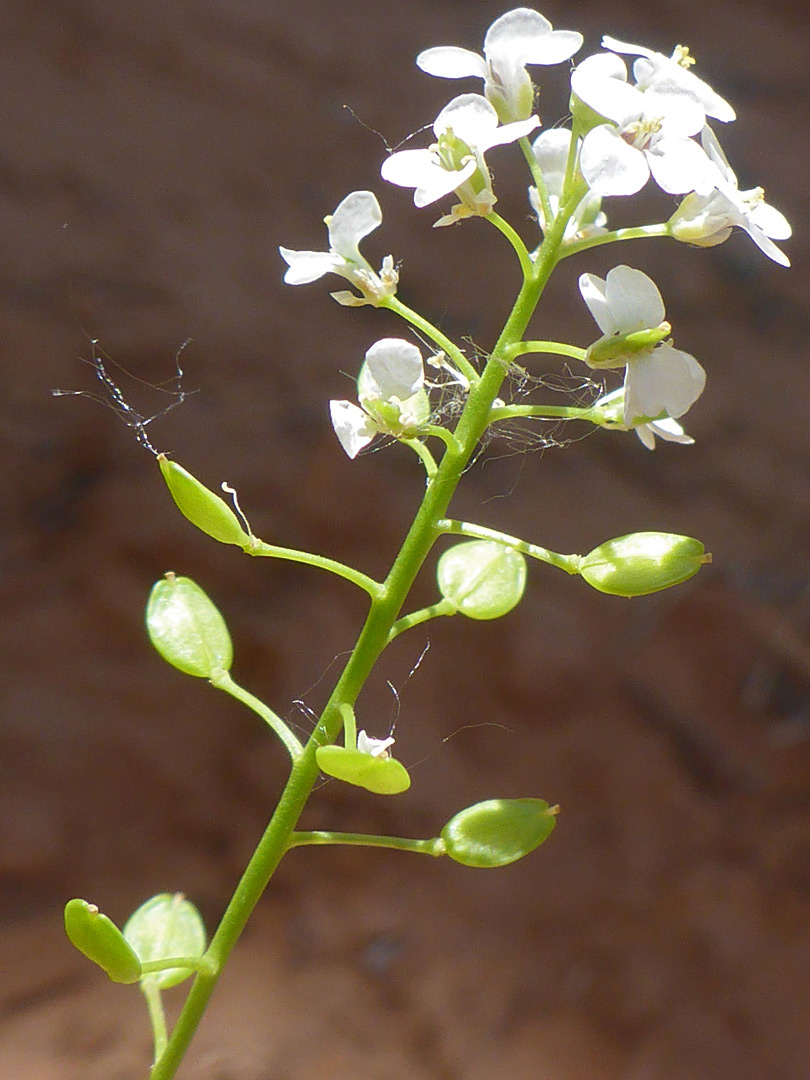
386	602
398	843
223	681
569	563
273	551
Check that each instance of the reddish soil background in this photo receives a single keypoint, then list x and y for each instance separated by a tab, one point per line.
153	157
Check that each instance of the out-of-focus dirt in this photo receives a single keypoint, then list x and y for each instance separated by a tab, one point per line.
153	157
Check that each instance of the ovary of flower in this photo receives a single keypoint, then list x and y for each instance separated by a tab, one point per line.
356	216
390	389
650	133
707	220
660	381
519	37
551	149
672	73
465	129
611	408
376	747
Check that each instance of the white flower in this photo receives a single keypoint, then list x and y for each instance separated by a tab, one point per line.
375	747
653	69
707	220
551	150
608	412
650	132
356	216
660	381
465	129
390	389
517	38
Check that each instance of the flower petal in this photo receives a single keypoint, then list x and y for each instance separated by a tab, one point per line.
471	118
609	165
306	266
634	301
352	426
592	289
664	380
393	369
680	165
524	36
356	216
451	62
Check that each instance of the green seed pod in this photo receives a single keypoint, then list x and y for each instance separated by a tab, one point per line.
615	350
187	629
382	775
643	563
201	506
481	578
165	927
101	941
499	831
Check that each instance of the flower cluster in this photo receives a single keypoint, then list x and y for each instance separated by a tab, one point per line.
628	126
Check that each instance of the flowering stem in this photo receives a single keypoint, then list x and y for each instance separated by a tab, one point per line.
433	847
569	563
223	681
272	551
387	600
424	456
520	248
434	611
636	232
435	335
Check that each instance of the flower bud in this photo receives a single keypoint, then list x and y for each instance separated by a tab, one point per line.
101	941
164	927
201	506
481	578
378	773
643	563
187	629
703	220
499	831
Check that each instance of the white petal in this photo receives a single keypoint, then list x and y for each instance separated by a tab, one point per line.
524	36
766	246
551	151
393	369
352	426
420	169
670	431
771	221
592	289
356	216
451	62
600	82
634	301
663	380
306	266
609	165
615	45
375	747
680	165
471	117
508	133
679	114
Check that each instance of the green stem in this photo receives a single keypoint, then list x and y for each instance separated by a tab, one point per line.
273	551
386	602
435	335
157	1015
520	248
223	681
569	563
537	176
558	348
543	412
434	611
636	232
191	963
433	847
424	456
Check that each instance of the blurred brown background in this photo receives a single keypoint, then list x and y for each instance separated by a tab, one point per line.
153	157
